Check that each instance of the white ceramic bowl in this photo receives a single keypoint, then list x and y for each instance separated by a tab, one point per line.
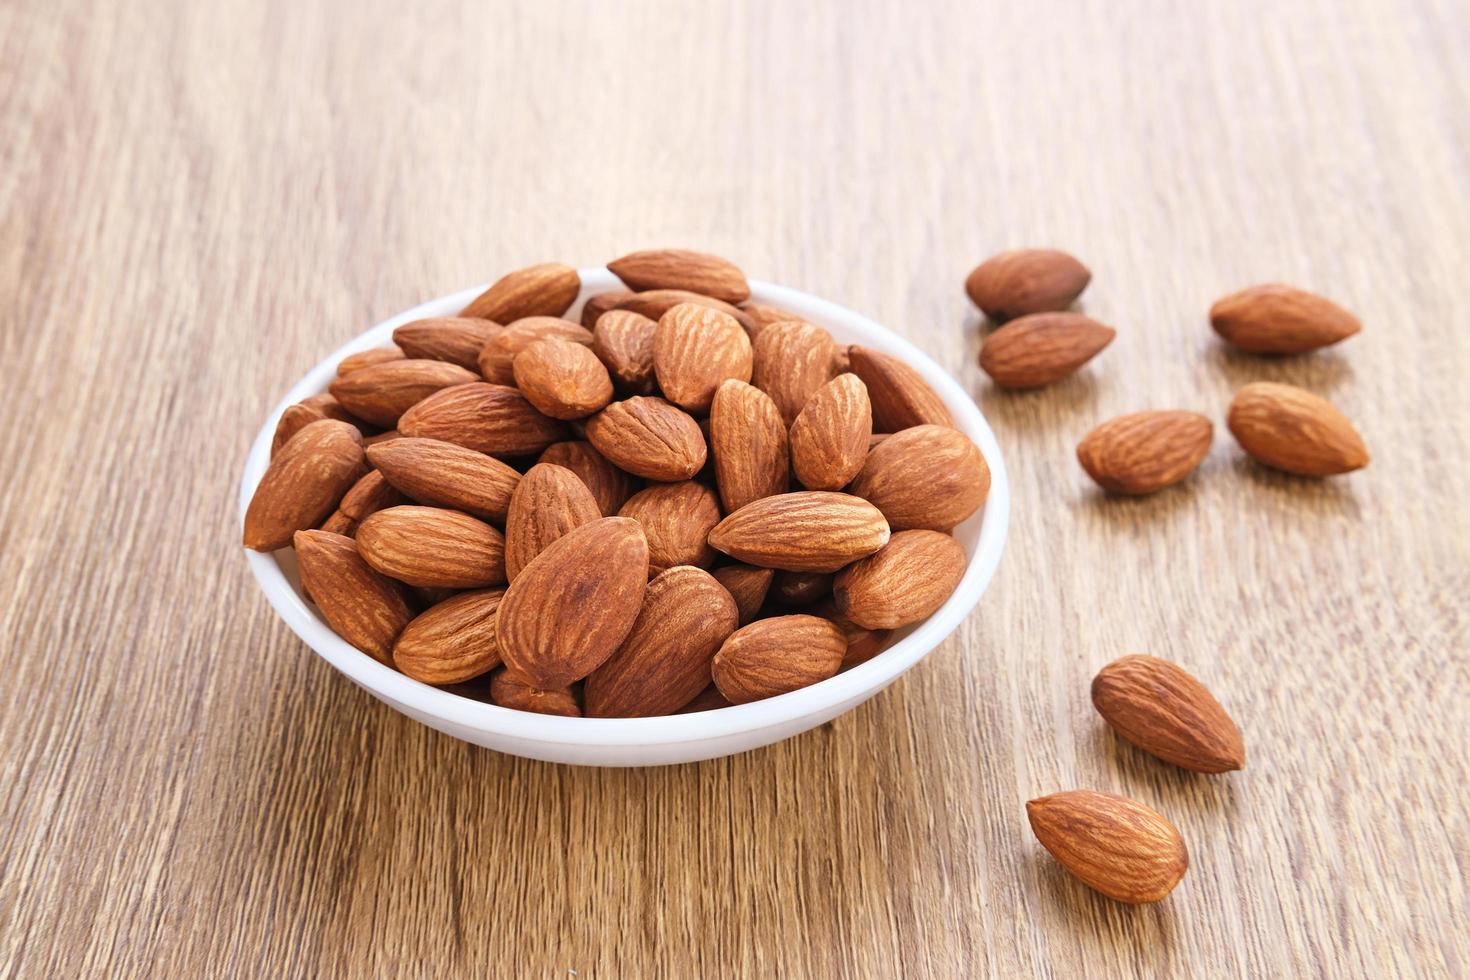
677	738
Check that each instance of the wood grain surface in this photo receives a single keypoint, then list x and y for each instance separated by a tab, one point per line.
199	200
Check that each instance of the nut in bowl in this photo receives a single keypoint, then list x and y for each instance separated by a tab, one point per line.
479	490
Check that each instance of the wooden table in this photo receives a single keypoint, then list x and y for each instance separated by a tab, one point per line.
200	200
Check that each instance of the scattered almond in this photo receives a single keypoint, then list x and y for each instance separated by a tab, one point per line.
1041	348
1295	430
1145	451
1028	280
777	655
1165	711
1277	319
1115	845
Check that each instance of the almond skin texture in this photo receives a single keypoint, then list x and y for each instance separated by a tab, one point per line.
930	476
304	483
339	523
676	518
904	582
809	531
498	356
1118	846
673	268
694	350
747	585
308	410
550	501
1038	349
365	608
863	644
596	306
763	316
562	380
656	302
383	392
1028	280
570	609
510	689
901	398
442	474
623	340
433	548
1145	451
748	442
1278	319
367	358
369	495
453	641
456	339
491	419
610	486
790	361
777	655
1165	711
829	439
710	699
665	661
539	290
1295	430
649	437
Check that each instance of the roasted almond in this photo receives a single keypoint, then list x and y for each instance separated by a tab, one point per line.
549	501
623	340
1040	348
433	547
304	483
363	607
649	437
596	306
790	361
1278	319
339	523
863	644
367	358
1295	431
665	661
748	442
1028	280
777	655
762	316
1165	711
675	268
901	398
303	413
1145	451
676	519
747	585
829	439
442	474
456	339
654	303
452	641
801	588
903	582
562	380
510	689
487	418
498	356
548	289
710	699
388	436
808	531
694	350
1115	845
610	486
369	495
928	476
382	392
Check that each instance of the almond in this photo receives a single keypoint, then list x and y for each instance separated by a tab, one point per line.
656	302
763	316
903	582
339	523
676	518
777	655
1278	319
673	268
900	396
624	342
596	306
747	585
365	608
562	380
1040	348
1115	845
497	358
381	393
574	604
369	495
710	699
314	409
665	661
433	547
863	644
1145	451
388	436
1295	431
748	443
303	484
801	588
367	358
610	486
1165	711
442	474
456	339
829	439
790	361
548	289
549	502
487	418
929	476
809	531
694	350
1028	280
510	689
453	641
650	438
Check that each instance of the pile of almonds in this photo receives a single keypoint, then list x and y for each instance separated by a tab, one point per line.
684	501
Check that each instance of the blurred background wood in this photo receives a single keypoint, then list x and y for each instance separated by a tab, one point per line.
200	200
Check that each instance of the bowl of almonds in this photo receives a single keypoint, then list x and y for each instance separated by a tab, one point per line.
647	514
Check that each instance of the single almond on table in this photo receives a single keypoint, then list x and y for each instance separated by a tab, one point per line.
674	268
900	396
367	358
308	410
365	608
807	531
1118	846
829	439
710	699
1028	280
654	303
777	655
1041	348
863	644
800	588
1164	710
510	689
570	609
452	641
665	661
433	547
694	350
548	289
303	483
498	356
383	392
596	306
488	418
369	495
903	582
748	442
790	361
1278	319
623	340
747	585
442	474
1145	451
1294	430
456	339
676	518
649	437
561	379
929	476
610	486
549	501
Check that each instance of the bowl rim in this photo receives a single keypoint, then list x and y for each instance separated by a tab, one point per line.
864	679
